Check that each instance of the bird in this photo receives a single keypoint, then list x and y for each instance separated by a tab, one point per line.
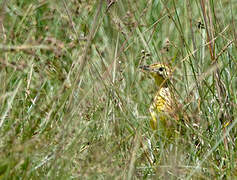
162	108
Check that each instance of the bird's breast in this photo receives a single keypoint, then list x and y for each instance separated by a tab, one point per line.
162	100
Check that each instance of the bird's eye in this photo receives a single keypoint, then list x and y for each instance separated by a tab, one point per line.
161	69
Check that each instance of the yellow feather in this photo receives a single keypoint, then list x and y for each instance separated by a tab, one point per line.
162	103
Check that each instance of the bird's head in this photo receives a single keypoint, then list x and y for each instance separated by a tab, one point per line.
159	71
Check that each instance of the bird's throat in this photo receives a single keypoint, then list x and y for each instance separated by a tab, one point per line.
160	81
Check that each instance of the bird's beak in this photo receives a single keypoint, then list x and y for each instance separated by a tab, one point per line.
145	68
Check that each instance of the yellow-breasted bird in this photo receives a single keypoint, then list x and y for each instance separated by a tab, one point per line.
163	104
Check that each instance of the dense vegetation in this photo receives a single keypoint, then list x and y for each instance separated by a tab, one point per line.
73	103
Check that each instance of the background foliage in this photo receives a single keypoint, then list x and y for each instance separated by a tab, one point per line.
73	103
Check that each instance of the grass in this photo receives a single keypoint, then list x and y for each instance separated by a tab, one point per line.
73	103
